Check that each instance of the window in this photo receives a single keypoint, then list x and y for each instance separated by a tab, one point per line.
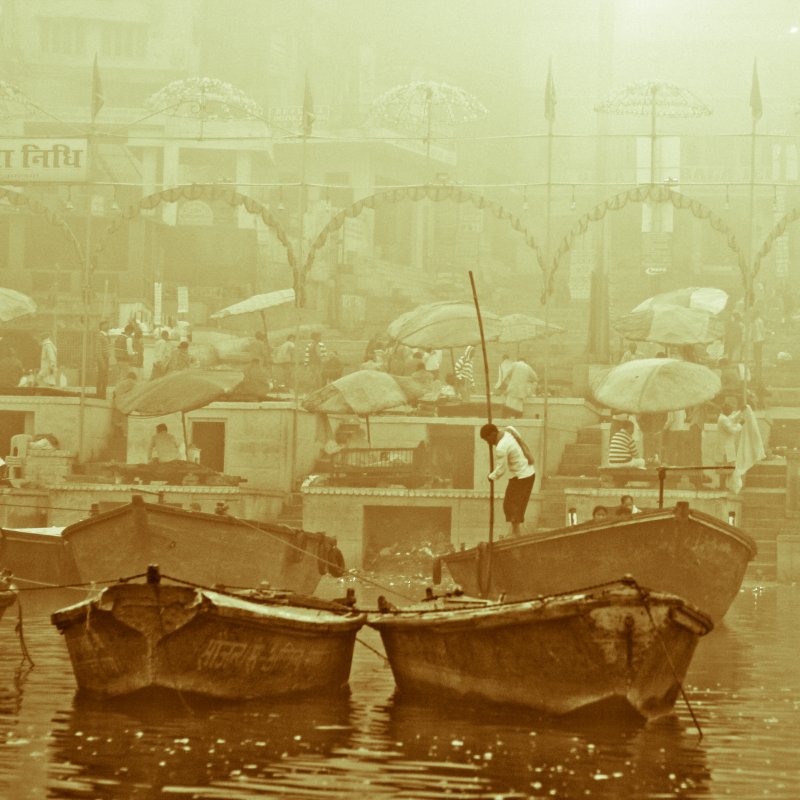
124	40
62	36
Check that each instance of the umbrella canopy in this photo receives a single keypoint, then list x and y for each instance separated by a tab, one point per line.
670	325
258	302
522	327
650	385
14	304
445	324
705	298
661	98
428	102
362	392
179	391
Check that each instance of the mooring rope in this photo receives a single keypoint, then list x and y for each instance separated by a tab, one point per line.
644	595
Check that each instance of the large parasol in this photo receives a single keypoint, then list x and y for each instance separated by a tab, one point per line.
443	325
654	99
650	385
705	298
258	303
203	98
670	325
523	327
427	107
14	304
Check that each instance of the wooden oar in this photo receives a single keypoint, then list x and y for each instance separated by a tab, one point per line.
489	419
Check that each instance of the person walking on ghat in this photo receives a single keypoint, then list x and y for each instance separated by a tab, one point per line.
513	456
465	378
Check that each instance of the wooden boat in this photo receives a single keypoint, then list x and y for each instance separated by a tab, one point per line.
153	636
679	550
37	557
614	646
208	549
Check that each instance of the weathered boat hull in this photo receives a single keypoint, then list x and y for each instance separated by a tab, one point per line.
208	549
139	637
37	557
556	655
684	552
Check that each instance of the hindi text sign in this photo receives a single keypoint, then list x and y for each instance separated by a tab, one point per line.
43	160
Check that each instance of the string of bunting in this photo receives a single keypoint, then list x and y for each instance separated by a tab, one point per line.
21	200
436	193
643	194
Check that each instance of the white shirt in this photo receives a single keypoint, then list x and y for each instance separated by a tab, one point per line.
510	458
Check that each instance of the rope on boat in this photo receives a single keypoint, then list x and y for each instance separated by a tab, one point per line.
644	595
43	585
26	656
381	656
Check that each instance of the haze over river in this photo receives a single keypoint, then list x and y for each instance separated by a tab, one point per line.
744	687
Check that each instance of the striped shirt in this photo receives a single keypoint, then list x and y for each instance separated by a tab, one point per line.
463	367
621	448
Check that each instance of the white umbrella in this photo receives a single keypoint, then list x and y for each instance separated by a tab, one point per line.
258	302
14	304
650	385
704	298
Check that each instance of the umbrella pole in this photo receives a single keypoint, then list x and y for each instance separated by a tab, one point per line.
489	419
185	437
369	434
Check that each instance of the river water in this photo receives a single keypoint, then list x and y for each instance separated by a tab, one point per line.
743	685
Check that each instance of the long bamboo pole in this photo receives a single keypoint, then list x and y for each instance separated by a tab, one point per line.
488	419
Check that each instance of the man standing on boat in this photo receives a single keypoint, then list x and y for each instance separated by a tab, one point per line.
513	456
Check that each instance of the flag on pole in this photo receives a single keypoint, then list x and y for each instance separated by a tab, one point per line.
755	96
98	101
550	95
308	109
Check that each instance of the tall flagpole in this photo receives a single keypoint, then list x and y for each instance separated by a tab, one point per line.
757	110
550	114
96	103
306	122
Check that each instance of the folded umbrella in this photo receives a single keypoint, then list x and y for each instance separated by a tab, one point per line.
179	391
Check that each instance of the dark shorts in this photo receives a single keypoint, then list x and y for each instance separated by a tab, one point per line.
518	492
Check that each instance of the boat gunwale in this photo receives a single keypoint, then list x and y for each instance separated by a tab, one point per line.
161	508
205	601
555	534
541	609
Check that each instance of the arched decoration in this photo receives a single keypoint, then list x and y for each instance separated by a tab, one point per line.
414	194
642	194
197	191
780	228
21	200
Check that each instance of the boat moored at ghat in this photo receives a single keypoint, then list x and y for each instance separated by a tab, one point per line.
680	551
207	549
136	637
617	646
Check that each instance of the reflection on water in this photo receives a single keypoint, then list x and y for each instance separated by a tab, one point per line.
744	686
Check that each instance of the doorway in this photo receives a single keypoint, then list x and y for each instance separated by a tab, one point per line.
209	438
11	423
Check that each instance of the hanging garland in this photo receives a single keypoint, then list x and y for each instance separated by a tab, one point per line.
414	194
778	231
21	200
643	194
197	191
